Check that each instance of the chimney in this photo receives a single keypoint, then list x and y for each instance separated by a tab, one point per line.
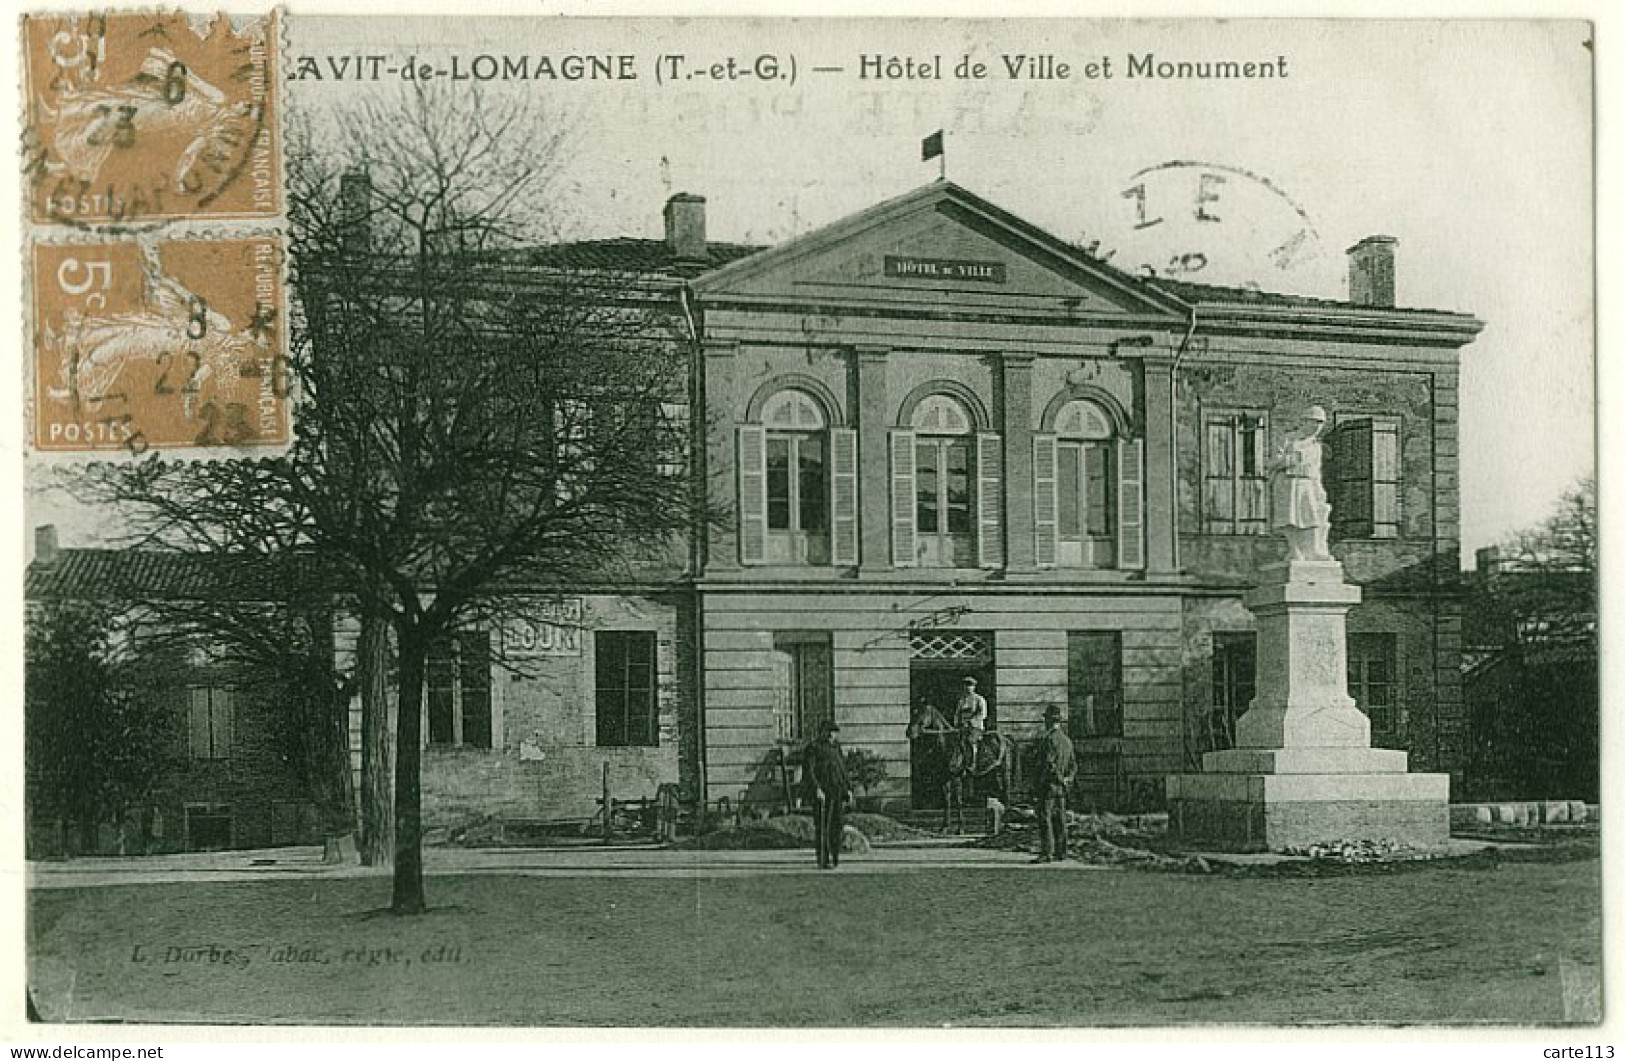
45	548
685	230
1371	272
355	212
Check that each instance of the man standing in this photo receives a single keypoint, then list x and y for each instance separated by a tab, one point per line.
824	787
1056	767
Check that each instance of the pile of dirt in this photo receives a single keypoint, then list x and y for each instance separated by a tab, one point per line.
881	829
772	834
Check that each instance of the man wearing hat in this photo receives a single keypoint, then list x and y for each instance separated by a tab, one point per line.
1297	495
1056	767
970	717
825	788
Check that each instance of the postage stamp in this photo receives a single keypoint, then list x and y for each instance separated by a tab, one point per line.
165	344
148	116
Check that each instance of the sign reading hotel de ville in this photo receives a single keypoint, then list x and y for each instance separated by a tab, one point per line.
923	378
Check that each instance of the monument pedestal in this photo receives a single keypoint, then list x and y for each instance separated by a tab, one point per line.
1303	770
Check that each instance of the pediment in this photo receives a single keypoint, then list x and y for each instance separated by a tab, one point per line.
938	248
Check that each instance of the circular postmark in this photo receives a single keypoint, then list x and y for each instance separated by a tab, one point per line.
1213	223
145	117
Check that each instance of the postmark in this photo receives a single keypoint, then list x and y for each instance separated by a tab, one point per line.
1213	223
159	344
145	117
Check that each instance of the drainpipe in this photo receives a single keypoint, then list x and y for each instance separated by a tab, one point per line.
1173	425
698	552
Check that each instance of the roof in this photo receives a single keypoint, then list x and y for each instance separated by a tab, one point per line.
629	255
1215	294
151	574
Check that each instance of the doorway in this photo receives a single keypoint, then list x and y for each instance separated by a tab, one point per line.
938	665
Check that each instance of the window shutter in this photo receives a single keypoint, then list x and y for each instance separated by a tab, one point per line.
673	439
225	722
902	500
752	494
989	491
197	723
1131	503
1045	502
1218	477
1353	471
843	507
1385	476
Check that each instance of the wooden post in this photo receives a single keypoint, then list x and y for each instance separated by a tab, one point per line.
609	808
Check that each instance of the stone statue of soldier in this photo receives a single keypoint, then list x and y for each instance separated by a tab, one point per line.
1297	495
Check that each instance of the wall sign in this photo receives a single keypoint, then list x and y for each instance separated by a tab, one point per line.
943	269
553	629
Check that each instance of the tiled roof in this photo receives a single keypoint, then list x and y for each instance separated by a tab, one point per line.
625	254
1198	294
149	574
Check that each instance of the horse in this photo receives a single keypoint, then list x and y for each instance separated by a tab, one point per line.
986	766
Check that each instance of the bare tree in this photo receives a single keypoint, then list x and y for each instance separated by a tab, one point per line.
472	418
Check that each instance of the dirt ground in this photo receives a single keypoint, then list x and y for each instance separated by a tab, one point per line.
1044	946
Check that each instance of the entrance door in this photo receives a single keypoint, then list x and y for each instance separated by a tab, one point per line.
938	666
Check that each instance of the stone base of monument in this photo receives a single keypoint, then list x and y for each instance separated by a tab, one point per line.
1304	771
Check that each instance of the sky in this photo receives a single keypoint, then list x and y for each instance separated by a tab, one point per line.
1468	142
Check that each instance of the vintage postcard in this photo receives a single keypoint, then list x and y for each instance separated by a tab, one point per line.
810	524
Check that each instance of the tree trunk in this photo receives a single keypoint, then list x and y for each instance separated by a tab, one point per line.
408	898
377	804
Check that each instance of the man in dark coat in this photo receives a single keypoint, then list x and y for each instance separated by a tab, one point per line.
825	788
1056	768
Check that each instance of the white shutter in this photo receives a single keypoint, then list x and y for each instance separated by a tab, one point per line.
1045	501
752	494
902	500
989	508
843	500
1131	503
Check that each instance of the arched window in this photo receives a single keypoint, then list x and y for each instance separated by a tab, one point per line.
797	479
1085	486
944	482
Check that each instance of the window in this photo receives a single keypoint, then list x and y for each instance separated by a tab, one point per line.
1363	480
208	827
626	700
1373	671
1085	480
1234	473
458	689
944	514
803	673
1235	661
797	480
209	722
1094	683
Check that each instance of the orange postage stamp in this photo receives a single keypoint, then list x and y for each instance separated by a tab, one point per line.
150	116
168	344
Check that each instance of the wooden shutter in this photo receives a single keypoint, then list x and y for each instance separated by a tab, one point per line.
1219	476
1385	479
672	456
989	501
902	500
1131	503
197	723
1045	502
225	719
752	494
843	499
1352	462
